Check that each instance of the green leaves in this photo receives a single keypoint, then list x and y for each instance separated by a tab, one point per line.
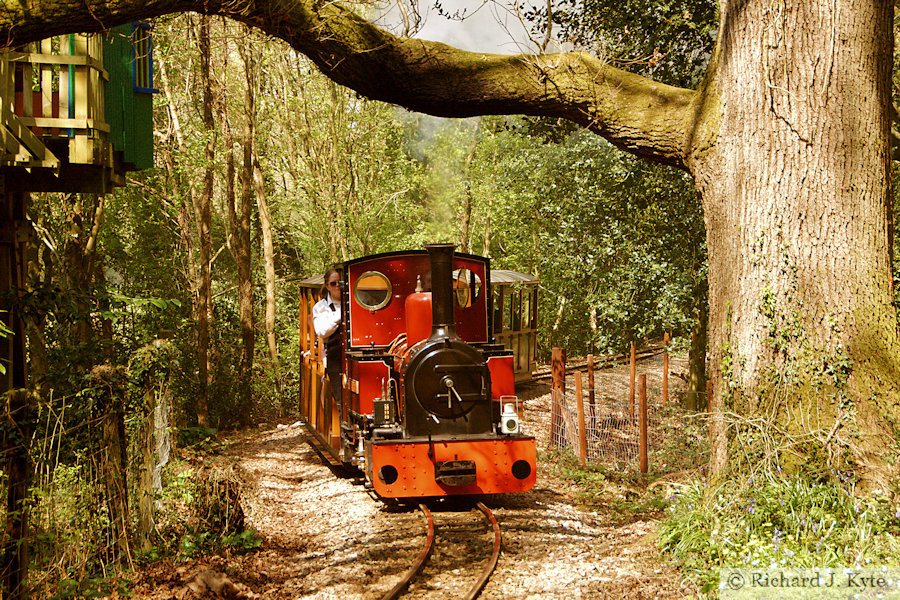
121	305
668	40
618	239
793	522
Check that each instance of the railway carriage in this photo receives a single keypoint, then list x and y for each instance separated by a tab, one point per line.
514	297
429	406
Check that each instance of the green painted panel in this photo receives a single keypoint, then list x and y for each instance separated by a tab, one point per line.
128	113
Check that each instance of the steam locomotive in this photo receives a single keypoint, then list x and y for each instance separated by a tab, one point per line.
428	400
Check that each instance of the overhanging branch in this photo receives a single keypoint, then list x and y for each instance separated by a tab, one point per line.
639	115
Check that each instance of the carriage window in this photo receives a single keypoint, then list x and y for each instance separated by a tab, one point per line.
509	301
532	301
516	311
466	287
526	309
497	295
372	290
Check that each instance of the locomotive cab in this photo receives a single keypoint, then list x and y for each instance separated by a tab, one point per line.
423	415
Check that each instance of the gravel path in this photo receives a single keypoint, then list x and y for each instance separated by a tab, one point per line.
325	537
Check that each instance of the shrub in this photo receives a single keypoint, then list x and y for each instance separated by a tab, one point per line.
784	521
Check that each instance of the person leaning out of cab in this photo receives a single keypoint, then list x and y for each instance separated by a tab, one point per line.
327	323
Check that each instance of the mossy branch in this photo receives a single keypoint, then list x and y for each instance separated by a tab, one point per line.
641	116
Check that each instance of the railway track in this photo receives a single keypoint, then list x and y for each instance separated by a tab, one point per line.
457	533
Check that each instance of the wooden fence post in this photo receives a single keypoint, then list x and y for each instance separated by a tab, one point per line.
633	364
582	432
16	437
558	390
665	374
592	413
109	395
643	451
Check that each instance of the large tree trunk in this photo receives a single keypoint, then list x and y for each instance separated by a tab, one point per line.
802	330
84	217
265	221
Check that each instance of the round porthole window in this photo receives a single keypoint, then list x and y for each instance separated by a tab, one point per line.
466	287
372	290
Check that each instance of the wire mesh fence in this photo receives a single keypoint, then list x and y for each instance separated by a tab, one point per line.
87	479
77	497
610	427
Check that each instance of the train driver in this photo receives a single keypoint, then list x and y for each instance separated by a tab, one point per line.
327	323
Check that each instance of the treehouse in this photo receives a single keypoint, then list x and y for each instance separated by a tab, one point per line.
75	116
76	111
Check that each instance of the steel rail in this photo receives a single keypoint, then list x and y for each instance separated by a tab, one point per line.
410	574
495	556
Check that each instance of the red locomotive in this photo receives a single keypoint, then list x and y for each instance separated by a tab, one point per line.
429	406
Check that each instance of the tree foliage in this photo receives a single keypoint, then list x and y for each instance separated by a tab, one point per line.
670	40
615	237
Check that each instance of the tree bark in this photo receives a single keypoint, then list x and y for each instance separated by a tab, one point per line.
695	397
203	213
242	253
637	114
265	220
265	223
84	218
802	327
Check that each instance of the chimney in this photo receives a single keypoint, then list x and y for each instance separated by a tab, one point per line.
443	323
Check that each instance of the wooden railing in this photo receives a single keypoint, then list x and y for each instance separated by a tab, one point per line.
53	89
